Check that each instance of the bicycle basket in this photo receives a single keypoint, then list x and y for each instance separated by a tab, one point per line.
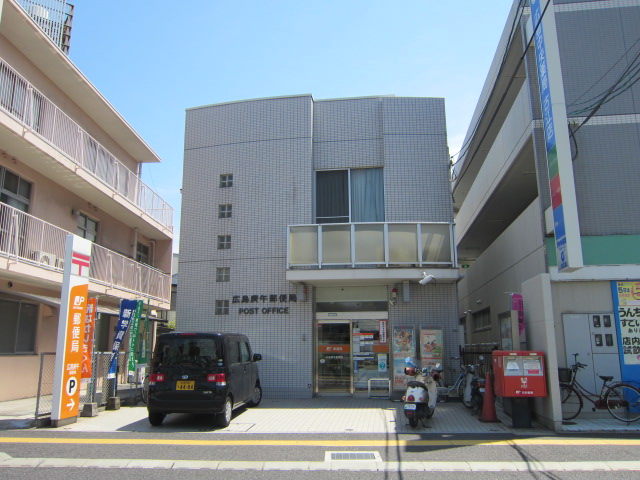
564	375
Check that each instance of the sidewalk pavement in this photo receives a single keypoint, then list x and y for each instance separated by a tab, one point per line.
319	415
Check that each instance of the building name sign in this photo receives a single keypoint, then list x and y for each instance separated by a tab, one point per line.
265	309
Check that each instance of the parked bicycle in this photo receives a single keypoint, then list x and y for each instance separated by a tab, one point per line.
461	388
620	398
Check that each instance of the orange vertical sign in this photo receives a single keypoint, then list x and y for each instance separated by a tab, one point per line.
87	345
67	377
71	376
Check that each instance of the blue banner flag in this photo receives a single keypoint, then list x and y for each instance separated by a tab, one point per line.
130	310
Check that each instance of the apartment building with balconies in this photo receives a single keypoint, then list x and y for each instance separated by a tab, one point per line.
545	189
69	164
308	224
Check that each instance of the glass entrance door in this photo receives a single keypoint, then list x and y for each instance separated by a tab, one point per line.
334	357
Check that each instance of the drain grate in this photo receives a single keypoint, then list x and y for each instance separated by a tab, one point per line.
337	456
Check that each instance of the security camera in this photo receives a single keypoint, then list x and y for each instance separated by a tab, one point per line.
427	279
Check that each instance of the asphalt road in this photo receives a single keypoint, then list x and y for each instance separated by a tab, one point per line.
54	455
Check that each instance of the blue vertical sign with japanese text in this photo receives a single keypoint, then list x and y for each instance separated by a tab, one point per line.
550	137
130	311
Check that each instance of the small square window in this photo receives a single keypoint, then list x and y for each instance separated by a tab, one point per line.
224	210
222	307
226	180
224	242
87	227
223	274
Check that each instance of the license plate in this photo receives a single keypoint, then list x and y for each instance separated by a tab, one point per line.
410	406
185	385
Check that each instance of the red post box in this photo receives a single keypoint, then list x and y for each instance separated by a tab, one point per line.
519	374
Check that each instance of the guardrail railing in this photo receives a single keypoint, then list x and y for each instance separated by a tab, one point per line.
31	240
357	245
37	113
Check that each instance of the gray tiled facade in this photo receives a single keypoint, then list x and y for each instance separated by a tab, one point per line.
273	148
597	43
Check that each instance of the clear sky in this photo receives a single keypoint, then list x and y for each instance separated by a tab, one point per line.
154	59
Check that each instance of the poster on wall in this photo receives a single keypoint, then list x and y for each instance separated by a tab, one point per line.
517	305
506	339
626	298
404	345
382	331
431	347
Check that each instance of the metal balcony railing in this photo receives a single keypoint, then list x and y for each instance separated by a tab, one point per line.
361	245
28	239
54	17
37	113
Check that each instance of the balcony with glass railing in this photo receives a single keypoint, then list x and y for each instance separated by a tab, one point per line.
27	239
37	113
370	245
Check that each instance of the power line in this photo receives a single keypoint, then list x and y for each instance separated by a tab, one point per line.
622	57
625	81
607	94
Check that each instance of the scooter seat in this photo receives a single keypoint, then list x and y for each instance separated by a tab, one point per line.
415	384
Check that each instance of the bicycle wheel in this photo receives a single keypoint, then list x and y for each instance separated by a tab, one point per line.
571	402
623	402
145	389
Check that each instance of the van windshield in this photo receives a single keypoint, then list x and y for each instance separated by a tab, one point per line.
187	351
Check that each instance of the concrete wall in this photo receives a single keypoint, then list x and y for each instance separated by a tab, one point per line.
516	256
504	151
538	313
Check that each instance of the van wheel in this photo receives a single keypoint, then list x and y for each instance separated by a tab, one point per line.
224	418
256	397
156	418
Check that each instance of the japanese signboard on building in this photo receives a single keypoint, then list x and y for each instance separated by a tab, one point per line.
264	304
558	153
626	297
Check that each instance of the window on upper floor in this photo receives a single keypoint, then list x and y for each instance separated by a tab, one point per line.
355	195
224	210
226	180
142	253
18	321
87	227
14	190
223	274
224	242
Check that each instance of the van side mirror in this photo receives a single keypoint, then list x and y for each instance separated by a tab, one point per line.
257	357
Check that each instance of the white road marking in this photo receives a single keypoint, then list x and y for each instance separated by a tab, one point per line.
7	461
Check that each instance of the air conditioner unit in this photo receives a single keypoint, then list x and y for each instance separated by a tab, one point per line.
46	258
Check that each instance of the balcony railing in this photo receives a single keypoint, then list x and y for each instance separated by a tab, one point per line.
358	245
37	113
28	239
54	17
